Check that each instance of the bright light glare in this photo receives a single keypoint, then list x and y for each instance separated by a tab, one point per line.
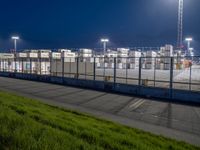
188	39
104	40
15	37
191	49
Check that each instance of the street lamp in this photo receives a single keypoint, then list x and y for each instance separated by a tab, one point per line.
188	40
15	38
104	41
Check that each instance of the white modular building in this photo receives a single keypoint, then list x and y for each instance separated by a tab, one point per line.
85	53
109	59
22	55
123	52
64	50
150	59
134	59
56	63
169	50
122	58
22	63
111	54
63	57
99	60
165	61
33	56
56	55
69	56
44	54
43	66
7	62
179	59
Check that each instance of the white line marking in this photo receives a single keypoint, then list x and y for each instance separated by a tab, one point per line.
137	104
132	105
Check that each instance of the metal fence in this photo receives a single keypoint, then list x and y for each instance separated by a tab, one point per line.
164	72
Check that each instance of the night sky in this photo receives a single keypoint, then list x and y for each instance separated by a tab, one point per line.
81	23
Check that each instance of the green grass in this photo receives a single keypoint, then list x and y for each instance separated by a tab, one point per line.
28	124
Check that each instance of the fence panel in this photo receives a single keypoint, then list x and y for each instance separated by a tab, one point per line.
148	71
121	70
99	68
164	72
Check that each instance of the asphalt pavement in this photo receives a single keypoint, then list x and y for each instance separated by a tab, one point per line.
173	120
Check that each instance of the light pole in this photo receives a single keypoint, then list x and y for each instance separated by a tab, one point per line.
180	23
104	41
15	38
188	40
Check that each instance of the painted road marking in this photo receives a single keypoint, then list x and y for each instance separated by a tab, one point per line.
138	101
137	104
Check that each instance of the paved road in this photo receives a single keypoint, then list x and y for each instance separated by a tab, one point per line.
172	120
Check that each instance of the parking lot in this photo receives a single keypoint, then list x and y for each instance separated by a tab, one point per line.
184	79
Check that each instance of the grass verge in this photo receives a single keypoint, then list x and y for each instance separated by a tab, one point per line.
29	124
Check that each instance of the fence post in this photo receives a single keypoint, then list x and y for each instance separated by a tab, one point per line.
30	66
70	68
0	65
94	69
63	64
15	59
50	69
104	69
22	65
40	65
140	71
171	76
56	73
155	72
3	65
85	68
126	70
190	88
77	67
45	66
115	66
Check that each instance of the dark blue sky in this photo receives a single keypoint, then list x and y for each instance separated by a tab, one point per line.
81	23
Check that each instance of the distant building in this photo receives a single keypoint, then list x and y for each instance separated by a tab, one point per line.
150	59
134	57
